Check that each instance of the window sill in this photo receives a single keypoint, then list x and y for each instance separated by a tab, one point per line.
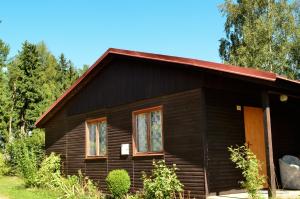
95	157
147	154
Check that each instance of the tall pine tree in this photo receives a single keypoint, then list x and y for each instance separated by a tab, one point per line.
34	80
67	73
72	74
48	76
4	94
28	93
84	68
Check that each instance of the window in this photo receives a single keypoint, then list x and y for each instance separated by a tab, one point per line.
96	138
147	131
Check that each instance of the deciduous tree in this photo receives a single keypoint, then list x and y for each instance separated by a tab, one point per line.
261	34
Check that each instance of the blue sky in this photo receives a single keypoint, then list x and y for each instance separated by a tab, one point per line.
83	30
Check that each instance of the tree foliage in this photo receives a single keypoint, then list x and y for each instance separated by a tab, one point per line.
262	34
4	94
28	95
29	83
67	73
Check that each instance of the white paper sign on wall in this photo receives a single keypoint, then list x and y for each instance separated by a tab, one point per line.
124	149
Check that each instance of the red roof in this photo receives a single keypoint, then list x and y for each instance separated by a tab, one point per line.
240	71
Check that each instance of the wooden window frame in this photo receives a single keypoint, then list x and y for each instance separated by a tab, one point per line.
97	156
134	134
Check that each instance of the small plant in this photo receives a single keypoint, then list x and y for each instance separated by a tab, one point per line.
246	160
76	187
163	183
118	183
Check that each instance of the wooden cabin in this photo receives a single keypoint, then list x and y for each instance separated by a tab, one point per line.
132	107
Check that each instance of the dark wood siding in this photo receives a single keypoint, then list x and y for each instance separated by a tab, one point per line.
55	137
125	81
285	129
182	140
225	127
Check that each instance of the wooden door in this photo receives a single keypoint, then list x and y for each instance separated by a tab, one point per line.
254	134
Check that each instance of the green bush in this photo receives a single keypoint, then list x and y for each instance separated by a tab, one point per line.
118	183
36	142
245	160
76	187
49	171
27	165
26	150
24	162
4	168
163	183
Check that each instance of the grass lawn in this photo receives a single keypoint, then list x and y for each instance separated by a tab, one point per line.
14	188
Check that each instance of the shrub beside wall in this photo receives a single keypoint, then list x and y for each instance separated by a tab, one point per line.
163	182
24	151
250	166
49	171
118	183
26	154
77	187
70	187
